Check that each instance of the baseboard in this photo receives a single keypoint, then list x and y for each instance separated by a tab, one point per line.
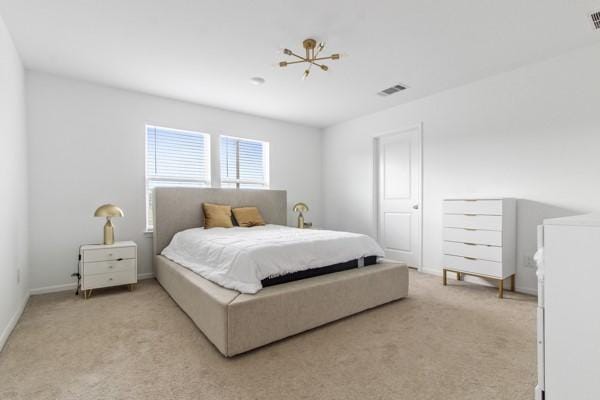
519	289
72	286
13	322
53	289
145	275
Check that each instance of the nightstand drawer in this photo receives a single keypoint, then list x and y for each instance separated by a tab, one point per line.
111	279
109	254
104	267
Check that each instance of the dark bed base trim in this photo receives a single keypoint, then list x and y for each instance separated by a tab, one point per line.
310	273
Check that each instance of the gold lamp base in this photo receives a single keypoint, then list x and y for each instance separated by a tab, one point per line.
301	221
109	232
108	211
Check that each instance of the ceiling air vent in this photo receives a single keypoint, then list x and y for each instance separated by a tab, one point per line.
595	16
392	90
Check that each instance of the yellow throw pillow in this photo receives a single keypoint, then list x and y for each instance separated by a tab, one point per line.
248	216
216	216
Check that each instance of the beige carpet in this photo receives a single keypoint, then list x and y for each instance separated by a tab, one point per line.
455	342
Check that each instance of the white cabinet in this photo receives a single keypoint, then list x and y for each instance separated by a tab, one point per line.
107	265
568	322
480	238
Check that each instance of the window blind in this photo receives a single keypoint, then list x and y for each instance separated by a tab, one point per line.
175	158
244	163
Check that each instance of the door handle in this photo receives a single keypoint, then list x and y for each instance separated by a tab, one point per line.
415	207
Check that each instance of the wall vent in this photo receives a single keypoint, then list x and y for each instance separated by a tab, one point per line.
392	90
595	17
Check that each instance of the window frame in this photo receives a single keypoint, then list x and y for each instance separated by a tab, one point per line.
207	182
265	164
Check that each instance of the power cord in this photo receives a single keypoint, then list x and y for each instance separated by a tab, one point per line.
78	275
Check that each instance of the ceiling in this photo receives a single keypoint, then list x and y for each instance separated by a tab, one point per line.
206	51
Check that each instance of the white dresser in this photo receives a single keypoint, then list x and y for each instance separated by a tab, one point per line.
480	238
568	299
107	265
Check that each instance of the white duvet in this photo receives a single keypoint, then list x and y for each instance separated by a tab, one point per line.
239	258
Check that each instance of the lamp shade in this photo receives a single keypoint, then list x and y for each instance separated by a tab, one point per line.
300	207
108	210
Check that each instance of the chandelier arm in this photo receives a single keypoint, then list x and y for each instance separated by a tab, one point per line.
296	62
297	56
314	63
323	58
307	71
319	49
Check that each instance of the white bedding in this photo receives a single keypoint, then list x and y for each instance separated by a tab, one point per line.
239	258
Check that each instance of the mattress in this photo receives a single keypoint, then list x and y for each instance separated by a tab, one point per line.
311	273
241	258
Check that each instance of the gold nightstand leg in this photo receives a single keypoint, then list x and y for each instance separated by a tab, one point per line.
512	283
458	277
130	287
444	279
501	289
84	294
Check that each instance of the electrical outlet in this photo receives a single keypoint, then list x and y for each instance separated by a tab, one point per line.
529	262
18	275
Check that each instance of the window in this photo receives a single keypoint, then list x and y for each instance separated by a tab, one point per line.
175	158
244	163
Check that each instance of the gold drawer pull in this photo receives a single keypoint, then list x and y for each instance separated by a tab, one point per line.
470	215
470	258
469	229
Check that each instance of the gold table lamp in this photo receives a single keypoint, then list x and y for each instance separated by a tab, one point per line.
300	208
109	211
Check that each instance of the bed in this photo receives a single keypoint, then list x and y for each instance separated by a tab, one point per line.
237	322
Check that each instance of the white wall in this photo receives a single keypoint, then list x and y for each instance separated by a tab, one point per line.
14	288
87	148
532	133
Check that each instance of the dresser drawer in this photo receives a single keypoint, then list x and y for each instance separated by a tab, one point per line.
477	266
485	207
488	222
109	254
481	251
110	279
493	238
103	267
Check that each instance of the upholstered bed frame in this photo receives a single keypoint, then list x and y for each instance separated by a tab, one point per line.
235	322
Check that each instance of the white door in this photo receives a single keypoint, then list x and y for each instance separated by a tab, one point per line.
399	196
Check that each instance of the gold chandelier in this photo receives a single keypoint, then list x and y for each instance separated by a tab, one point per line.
313	50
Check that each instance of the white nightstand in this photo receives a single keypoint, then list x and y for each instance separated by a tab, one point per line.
103	265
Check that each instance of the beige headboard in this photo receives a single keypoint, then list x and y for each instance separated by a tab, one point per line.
177	209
